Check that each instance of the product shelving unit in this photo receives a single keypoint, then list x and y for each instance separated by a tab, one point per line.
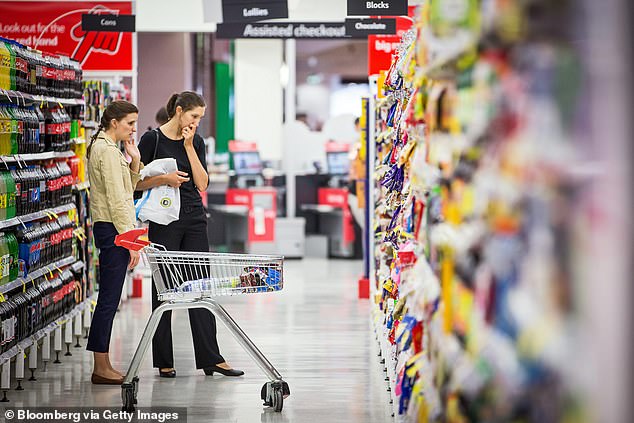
467	263
73	324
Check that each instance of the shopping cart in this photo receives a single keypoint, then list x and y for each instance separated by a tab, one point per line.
187	280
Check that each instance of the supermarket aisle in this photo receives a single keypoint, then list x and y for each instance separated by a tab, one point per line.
316	332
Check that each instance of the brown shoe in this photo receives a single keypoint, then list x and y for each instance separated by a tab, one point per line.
100	380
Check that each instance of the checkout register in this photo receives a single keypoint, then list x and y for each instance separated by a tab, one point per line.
322	199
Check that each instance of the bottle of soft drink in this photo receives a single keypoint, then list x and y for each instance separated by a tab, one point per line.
13	140
21	67
41	132
12	242
5	269
3	199
5	65
11	65
5	131
10	187
16	174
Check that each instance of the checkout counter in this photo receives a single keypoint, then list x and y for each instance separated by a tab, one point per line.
322	199
246	210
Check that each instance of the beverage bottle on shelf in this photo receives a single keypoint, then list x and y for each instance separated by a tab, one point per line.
67	177
32	70
21	67
40	82
10	64
78	88
3	199
66	128
41	188
10	187
34	128
5	65
5	131
5	268
41	132
13	146
49	138
16	174
12	242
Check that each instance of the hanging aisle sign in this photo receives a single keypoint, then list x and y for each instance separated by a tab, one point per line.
377	7
360	28
253	10
107	23
56	28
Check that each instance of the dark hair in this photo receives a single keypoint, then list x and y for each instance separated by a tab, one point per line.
188	100
161	116
116	110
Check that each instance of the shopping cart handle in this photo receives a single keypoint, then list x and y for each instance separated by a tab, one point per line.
130	239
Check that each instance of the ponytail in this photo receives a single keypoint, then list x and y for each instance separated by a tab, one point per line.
187	100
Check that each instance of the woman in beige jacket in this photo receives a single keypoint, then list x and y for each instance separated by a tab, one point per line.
112	183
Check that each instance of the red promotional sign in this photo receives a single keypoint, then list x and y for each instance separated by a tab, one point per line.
55	27
381	47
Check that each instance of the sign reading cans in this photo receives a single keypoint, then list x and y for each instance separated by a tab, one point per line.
377	7
107	23
361	27
253	10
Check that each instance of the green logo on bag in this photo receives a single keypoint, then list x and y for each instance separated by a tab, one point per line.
166	202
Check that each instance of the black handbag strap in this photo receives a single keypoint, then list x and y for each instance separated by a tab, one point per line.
155	144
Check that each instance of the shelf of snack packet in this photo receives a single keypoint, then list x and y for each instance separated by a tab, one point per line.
48	155
43	271
42	214
23	345
25	98
457	181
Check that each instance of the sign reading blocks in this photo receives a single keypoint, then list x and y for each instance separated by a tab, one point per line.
377	7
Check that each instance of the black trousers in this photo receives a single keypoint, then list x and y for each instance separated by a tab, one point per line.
189	233
113	264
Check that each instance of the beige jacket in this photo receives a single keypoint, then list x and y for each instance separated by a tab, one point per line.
112	184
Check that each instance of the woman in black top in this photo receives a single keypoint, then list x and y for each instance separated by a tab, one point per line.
177	138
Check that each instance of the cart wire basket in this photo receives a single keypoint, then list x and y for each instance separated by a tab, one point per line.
187	280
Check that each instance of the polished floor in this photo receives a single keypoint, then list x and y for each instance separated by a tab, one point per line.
315	332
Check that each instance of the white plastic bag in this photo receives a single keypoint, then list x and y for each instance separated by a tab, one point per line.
160	204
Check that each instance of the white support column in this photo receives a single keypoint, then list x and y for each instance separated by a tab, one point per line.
57	345
19	369
5	380
33	360
46	348
68	336
87	318
78	329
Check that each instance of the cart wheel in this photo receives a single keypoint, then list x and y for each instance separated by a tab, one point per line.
278	400
286	391
135	383
128	397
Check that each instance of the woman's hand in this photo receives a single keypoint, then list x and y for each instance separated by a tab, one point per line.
188	133
134	259
131	149
176	179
